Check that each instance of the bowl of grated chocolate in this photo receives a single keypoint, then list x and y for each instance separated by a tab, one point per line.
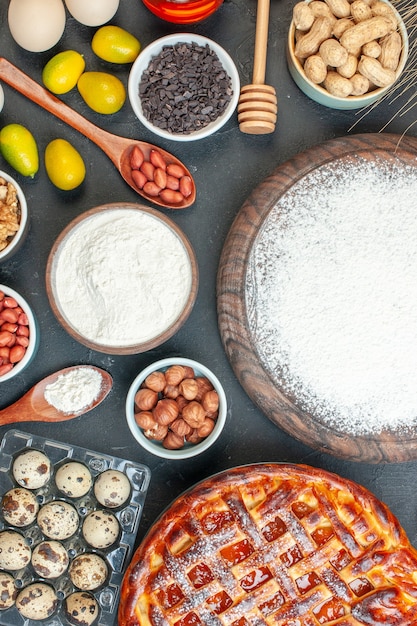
183	87
13	216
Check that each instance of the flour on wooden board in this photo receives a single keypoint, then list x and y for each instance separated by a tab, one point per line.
331	294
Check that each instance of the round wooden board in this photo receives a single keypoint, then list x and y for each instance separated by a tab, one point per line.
239	343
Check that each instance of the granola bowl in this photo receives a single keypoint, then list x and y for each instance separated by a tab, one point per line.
13	216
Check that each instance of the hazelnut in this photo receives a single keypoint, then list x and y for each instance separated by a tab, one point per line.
171	391
180	427
193	413
182	402
145	399
188	388
204	385
174	375
145	420
210	403
155	381
206	427
157	432
173	441
194	437
165	411
188	372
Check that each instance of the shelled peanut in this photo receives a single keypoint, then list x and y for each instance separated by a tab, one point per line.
14	333
156	177
347	47
176	407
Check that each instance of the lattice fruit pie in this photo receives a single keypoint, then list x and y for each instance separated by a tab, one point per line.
270	544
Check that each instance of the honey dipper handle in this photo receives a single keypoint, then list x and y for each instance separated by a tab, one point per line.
261	42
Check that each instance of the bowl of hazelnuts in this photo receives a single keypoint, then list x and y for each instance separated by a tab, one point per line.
176	408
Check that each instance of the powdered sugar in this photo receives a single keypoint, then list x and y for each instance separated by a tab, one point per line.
331	291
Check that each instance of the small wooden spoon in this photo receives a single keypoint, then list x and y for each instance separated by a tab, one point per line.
118	149
257	108
32	406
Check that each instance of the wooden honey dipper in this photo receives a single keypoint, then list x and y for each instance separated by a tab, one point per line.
257	108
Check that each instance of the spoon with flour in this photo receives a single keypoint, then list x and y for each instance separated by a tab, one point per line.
61	396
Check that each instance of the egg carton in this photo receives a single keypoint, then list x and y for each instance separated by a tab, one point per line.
117	556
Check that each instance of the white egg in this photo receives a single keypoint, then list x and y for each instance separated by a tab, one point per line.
93	12
1	97
36	25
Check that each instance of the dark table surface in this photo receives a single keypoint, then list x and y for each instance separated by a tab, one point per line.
226	168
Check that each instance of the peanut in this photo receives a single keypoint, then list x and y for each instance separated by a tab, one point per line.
374	72
155	177
333	53
391	46
315	69
348	69
355	37
339	8
340	26
372	49
360	85
320	9
310	42
382	9
338	85
303	16
14	333
360	11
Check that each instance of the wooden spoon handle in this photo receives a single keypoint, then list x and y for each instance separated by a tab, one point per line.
261	42
23	411
35	92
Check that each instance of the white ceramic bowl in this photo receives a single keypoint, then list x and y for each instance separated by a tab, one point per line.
156	447
320	94
20	235
33	334
142	63
122	278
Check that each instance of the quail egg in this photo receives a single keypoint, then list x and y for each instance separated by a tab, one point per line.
73	479
81	609
8	591
37	601
58	520
112	488
88	571
32	469
100	529
14	551
50	559
19	507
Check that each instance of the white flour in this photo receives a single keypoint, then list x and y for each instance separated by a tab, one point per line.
74	390
331	291
122	277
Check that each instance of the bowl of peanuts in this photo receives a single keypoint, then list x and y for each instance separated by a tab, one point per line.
346	55
18	333
176	408
183	87
13	216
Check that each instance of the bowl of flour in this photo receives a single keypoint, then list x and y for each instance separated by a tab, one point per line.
122	278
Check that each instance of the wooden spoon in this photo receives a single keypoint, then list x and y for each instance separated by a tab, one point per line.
118	149
257	108
32	406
